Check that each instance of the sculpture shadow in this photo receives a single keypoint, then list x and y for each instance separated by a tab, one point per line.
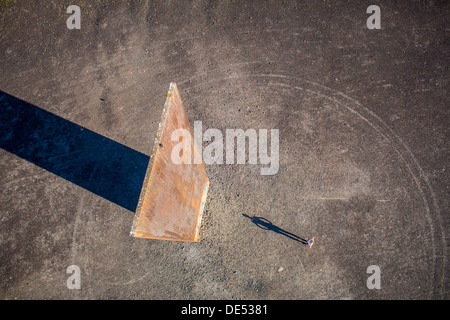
81	156
265	224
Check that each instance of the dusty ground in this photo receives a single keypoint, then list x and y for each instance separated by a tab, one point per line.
363	118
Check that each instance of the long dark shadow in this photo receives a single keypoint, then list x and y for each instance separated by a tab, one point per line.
265	224
92	161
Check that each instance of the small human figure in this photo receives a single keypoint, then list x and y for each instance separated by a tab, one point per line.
310	242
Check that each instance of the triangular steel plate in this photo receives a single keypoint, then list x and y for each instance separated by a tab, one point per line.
173	195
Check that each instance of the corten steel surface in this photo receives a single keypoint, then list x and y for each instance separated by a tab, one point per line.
173	195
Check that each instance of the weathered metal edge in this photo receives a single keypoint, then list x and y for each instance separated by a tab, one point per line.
200	216
145	184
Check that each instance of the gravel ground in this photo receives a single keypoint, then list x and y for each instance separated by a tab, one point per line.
363	148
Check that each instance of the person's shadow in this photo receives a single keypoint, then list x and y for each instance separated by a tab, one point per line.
265	224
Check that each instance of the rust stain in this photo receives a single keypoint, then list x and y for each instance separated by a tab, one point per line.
173	195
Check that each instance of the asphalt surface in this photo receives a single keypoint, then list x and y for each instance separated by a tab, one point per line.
363	148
